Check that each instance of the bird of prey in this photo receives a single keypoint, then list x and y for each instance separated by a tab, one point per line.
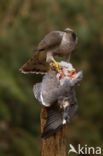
61	43
56	92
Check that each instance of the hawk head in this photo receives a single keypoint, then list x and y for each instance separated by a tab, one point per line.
71	33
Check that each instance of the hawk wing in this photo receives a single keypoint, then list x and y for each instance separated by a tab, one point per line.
51	40
37	64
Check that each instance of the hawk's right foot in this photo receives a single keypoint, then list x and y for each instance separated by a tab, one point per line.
55	66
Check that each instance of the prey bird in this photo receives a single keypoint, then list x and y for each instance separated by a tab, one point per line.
60	43
56	92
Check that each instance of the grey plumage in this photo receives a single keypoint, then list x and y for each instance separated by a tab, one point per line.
58	116
50	88
54	121
37	91
59	98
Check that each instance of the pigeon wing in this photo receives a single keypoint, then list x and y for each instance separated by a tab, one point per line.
53	123
37	90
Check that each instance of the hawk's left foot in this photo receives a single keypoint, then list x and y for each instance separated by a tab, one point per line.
55	66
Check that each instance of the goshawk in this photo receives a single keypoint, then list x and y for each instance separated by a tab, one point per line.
61	43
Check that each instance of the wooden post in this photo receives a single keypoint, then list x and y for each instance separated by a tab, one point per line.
56	144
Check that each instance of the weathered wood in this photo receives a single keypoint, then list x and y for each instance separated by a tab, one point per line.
56	144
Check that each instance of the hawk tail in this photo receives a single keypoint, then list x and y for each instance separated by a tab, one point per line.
37	64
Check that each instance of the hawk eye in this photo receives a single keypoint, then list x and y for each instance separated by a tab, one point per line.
74	35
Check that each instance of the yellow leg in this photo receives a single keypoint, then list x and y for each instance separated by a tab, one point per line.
55	65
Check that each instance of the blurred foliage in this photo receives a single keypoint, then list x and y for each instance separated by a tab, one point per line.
22	25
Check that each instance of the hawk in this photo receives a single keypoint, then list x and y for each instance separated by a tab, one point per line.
56	92
60	43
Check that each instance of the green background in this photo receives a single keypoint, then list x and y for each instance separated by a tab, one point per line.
22	25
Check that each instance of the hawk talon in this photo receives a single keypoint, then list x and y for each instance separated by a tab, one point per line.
55	66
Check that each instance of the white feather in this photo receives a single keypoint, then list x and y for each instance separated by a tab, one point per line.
64	122
32	72
42	101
